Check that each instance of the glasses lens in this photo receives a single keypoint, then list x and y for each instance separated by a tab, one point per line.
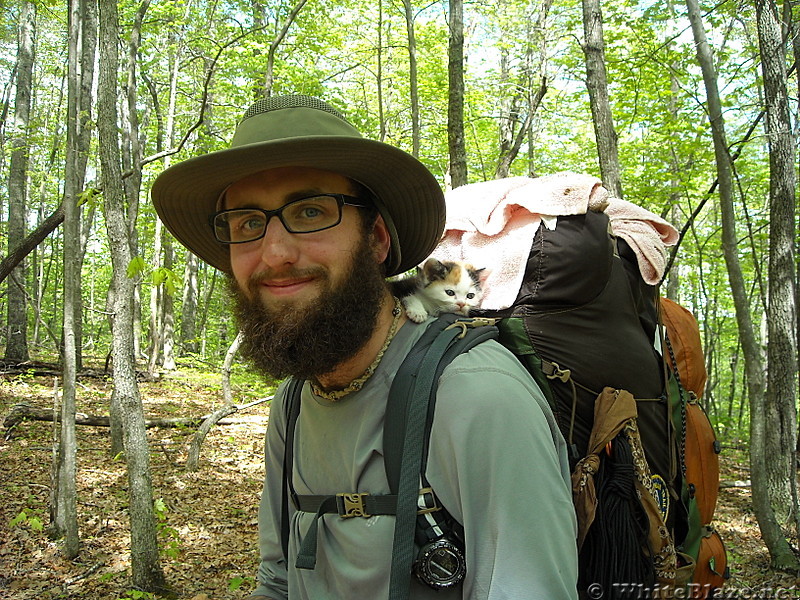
311	214
237	226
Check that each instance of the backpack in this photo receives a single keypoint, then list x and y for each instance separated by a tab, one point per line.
587	328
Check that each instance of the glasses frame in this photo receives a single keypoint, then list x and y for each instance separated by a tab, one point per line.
341	201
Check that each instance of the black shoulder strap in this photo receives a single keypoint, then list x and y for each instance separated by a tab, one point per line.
470	333
292	410
407	429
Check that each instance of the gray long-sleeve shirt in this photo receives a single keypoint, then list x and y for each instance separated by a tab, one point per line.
497	463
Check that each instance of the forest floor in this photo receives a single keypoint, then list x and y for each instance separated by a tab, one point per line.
208	518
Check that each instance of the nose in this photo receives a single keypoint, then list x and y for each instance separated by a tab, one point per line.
278	246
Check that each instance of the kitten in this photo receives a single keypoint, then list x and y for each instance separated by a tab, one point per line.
437	287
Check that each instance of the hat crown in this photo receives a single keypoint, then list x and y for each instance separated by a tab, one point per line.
289	117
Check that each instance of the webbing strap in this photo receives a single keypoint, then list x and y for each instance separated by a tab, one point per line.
307	557
410	464
292	410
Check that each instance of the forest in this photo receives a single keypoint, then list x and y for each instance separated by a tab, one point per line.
689	110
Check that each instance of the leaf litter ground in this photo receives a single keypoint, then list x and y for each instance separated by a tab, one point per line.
208	531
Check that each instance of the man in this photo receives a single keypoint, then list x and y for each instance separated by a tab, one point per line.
308	218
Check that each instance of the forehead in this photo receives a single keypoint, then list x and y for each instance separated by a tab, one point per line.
275	187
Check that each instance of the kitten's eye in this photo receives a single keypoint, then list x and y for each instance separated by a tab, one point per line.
450	292
471	295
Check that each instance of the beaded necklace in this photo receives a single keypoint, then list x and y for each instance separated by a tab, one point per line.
359	382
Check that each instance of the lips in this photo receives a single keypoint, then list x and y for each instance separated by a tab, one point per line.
283	287
286	283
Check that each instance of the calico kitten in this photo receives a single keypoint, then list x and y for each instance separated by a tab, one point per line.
437	287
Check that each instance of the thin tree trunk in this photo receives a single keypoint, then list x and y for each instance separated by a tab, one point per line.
16	307
145	566
379	73
168	310
597	86
455	102
412	77
156	291
188	335
770	528
65	505
515	143
280	35
779	402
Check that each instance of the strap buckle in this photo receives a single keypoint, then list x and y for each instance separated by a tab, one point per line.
427	502
352	505
470	322
559	373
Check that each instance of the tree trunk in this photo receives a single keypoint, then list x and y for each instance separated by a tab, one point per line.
17	318
779	402
672	284
24	412
511	150
145	566
597	86
34	238
455	102
412	77
188	335
155	343
168	309
280	35
65	500
379	73
778	547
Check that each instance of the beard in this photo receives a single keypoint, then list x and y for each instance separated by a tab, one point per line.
313	339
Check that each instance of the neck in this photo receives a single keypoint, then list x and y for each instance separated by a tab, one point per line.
349	370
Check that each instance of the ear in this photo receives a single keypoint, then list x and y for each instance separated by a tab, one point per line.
480	275
381	241
434	269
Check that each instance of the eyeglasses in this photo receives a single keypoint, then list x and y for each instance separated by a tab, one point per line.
305	215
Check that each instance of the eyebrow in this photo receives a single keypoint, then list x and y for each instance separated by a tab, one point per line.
291	197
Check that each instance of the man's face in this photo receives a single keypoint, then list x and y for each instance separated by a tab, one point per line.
305	302
286	270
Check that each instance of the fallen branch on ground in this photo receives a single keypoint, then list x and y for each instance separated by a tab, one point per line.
22	412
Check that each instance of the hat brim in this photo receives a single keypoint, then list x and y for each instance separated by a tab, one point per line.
408	196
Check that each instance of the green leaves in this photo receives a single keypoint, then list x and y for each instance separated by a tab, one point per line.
160	276
167	278
26	519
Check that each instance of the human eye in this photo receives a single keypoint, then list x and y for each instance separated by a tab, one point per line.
312	213
246	224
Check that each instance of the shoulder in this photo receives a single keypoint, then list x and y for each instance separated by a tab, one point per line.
277	406
490	385
489	360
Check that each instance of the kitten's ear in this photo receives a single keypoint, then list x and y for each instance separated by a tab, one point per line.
480	275
434	269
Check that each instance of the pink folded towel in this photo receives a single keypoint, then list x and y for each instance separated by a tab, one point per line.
647	234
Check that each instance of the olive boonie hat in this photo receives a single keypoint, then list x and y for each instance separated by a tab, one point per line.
303	131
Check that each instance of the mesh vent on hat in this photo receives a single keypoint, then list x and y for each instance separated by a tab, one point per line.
294	101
